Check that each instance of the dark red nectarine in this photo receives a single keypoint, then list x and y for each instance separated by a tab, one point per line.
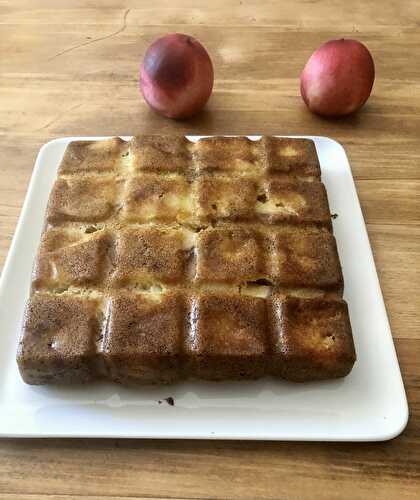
176	77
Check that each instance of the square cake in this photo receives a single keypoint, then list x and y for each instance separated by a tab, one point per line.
164	259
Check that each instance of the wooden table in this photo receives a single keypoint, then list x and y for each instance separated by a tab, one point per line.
73	71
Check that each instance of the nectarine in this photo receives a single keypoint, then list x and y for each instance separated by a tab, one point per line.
176	77
338	78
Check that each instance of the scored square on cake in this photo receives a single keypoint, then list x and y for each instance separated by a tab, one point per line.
164	258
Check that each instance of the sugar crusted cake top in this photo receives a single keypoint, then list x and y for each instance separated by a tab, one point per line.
191	241
164	211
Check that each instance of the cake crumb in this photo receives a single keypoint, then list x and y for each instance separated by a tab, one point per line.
170	400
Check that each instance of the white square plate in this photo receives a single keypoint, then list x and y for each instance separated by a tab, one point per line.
368	405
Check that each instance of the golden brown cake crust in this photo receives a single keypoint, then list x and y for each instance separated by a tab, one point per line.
83	199
58	344
305	258
227	337
68	258
143	337
227	154
229	255
160	154
164	259
218	198
93	156
295	157
311	339
149	255
154	198
293	201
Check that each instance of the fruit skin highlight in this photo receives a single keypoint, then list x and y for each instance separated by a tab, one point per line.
338	78
176	76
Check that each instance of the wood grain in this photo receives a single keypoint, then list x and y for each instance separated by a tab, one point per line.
70	68
18	496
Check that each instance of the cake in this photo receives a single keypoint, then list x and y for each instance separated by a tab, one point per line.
164	259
